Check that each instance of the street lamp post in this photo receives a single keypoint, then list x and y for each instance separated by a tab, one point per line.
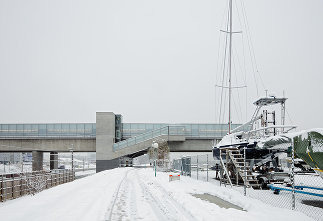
155	148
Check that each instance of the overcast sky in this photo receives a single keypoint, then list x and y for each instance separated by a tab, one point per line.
151	61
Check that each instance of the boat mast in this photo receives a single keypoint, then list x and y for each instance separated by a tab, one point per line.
230	59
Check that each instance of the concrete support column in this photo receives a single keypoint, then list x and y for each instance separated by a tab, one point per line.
37	160
53	160
105	138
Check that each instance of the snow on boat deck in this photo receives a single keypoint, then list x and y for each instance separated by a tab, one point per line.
135	194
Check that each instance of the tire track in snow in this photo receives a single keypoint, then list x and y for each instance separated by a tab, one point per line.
176	204
133	204
124	202
164	206
115	198
159	210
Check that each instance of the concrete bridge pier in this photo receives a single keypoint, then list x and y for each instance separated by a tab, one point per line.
37	157
53	160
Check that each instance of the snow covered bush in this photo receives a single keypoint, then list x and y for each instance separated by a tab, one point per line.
36	182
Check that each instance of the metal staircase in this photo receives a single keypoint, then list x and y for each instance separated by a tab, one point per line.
236	168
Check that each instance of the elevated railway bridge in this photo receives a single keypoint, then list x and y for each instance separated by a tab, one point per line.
109	137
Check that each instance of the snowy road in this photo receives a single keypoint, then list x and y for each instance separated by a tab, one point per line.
136	194
136	199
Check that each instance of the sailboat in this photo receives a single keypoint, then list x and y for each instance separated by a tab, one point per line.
263	137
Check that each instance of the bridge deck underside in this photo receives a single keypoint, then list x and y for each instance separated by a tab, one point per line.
48	145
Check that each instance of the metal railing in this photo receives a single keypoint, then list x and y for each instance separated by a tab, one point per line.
191	130
164	131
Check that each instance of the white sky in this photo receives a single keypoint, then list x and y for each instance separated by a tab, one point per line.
151	61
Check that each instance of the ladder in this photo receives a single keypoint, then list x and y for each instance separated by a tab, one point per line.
242	170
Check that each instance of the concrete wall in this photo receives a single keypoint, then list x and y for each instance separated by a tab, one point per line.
106	164
47	145
105	137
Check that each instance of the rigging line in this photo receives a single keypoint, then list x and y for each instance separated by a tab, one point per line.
235	109
223	73
219	45
253	51
217	66
244	62
216	74
226	98
252	47
246	104
235	73
224	66
248	31
237	57
250	54
236	6
290	119
248	35
215	105
224	106
239	114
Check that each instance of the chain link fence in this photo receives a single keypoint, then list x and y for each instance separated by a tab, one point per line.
278	178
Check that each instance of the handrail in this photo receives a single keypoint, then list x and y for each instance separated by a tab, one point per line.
168	130
274	126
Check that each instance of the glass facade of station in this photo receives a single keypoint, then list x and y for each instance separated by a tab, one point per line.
128	130
85	130
190	130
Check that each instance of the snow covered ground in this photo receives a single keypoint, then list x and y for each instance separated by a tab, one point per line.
284	199
135	194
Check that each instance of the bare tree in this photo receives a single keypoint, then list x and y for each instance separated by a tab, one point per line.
161	154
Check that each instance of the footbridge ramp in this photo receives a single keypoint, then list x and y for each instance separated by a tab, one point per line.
144	141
